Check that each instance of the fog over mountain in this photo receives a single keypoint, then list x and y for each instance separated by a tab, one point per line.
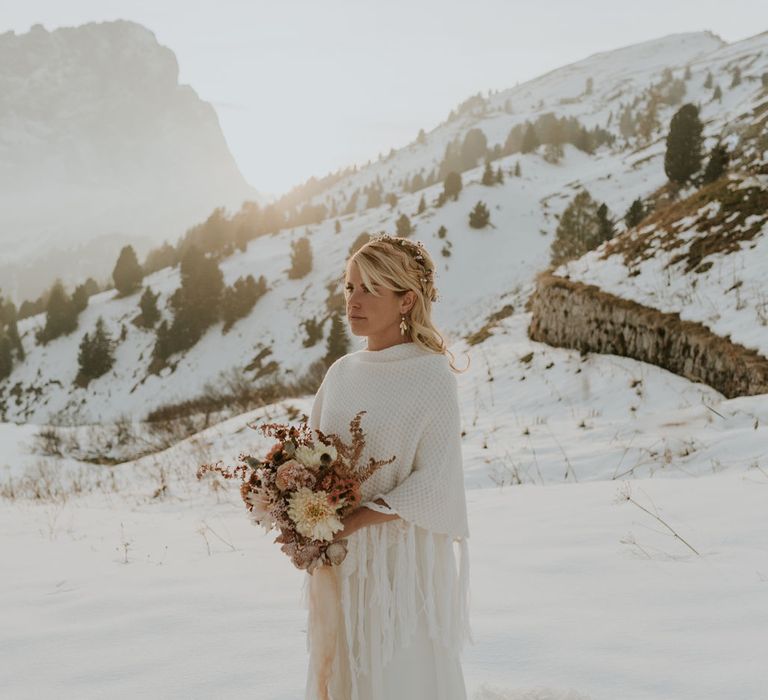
99	146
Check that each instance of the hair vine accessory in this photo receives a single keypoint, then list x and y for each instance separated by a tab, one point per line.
416	248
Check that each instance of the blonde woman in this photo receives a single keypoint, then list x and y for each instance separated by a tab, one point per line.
399	613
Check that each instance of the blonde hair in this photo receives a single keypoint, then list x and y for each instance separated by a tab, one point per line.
402	265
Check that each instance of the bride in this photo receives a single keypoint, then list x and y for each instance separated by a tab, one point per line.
397	616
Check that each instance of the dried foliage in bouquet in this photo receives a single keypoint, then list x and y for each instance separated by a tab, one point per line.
303	487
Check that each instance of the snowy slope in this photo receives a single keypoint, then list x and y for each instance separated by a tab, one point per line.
487	268
706	256
618	77
727	293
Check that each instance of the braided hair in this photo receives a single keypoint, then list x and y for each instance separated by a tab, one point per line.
420	255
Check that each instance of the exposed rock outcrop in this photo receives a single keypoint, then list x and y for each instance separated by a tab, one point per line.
572	314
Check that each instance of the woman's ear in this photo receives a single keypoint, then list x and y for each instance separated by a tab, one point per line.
410	300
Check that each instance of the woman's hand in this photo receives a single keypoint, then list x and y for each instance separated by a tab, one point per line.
351	523
362	517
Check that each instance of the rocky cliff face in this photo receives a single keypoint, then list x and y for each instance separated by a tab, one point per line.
98	139
572	314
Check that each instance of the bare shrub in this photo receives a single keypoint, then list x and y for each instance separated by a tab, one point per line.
48	441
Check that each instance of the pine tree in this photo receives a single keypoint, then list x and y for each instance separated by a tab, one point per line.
709	81
149	311
421	139
530	140
605	224
479	217
499	175
489	178
351	206
627	123
164	347
6	356
474	147
683	155
422	206
96	355
196	304
452	185
441	232
60	315
589	86
202	285
337	344
648	121
764	80
635	213
584	141
391	200
514	141
736	77
687	75
417	183
8	320
301	259
452	158
158	258
716	165
240	298
578	231
674	93
374	198
404	228
717	94
337	226
80	298
127	273
518	172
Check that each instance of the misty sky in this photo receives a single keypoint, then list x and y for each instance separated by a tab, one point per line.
303	88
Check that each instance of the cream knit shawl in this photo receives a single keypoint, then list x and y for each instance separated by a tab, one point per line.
410	396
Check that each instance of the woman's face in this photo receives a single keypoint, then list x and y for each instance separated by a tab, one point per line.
372	316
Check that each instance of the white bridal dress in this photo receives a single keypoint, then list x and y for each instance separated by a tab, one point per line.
398	616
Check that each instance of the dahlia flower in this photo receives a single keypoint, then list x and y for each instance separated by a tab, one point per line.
314	515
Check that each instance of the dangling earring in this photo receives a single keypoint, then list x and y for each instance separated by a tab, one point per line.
403	326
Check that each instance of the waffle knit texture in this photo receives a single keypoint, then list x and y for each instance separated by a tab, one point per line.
400	570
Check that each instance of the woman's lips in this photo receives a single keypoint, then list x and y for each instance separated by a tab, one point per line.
358	318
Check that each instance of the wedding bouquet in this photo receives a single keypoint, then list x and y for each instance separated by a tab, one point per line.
303	487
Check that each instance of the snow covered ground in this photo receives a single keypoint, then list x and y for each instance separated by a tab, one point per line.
577	592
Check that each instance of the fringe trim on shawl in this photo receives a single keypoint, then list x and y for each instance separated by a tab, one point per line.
383	604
